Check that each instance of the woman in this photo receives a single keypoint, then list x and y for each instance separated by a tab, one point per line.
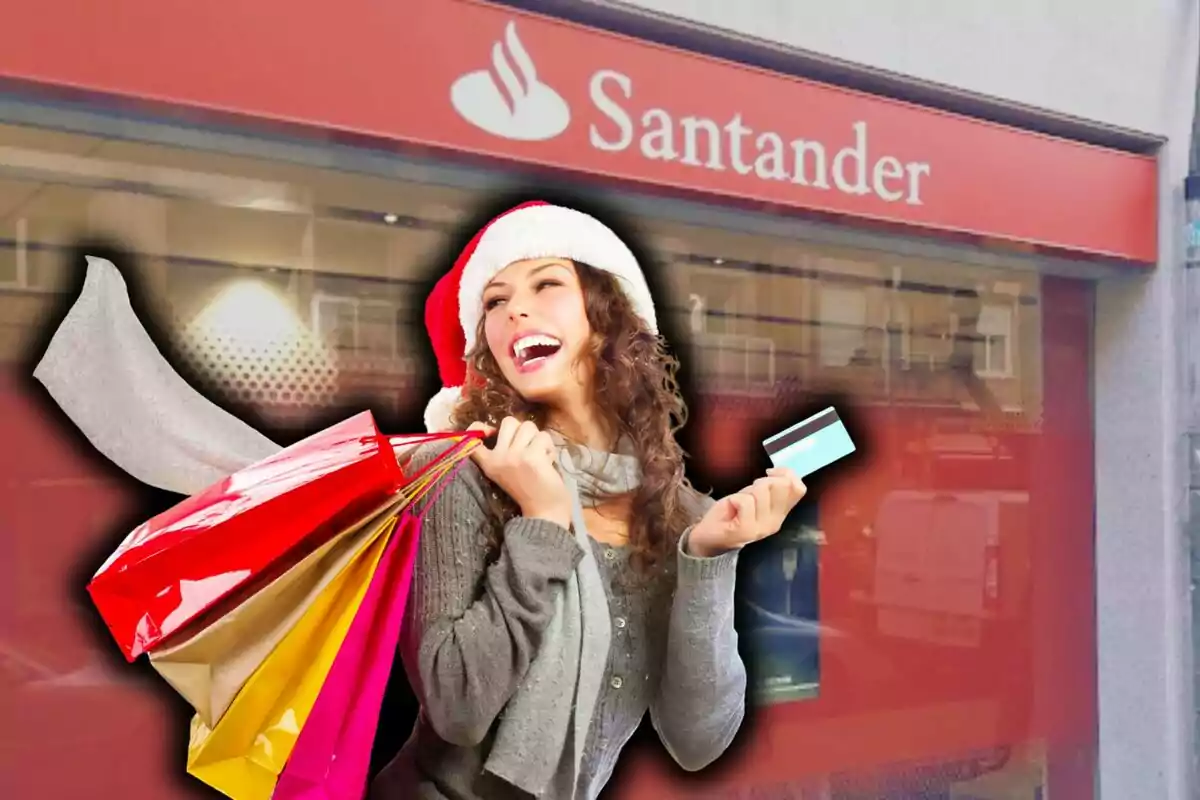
569	578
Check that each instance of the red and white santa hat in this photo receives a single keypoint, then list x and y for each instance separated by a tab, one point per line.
531	230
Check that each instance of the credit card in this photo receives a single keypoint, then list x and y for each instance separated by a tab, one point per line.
807	446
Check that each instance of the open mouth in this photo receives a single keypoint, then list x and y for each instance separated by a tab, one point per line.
532	351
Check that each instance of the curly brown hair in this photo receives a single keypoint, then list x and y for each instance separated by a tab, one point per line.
636	377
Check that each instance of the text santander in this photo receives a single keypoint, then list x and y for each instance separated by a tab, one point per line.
701	142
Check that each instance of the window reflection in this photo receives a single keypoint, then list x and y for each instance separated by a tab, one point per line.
780	610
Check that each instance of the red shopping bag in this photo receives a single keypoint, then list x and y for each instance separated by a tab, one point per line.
332	756
216	544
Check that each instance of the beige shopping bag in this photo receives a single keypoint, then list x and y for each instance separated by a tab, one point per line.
211	666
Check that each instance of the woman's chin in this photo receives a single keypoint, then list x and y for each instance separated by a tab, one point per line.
544	384
538	388
539	392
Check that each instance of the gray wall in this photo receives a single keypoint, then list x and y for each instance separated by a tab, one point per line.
1115	63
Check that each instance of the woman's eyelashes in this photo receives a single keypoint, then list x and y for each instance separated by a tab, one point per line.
497	300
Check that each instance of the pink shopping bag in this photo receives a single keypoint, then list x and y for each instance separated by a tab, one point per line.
332	756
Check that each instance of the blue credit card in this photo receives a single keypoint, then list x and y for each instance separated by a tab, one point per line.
807	446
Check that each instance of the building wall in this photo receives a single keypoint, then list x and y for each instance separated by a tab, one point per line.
1115	62
1147	732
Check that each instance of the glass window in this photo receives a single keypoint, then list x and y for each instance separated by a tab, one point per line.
843	326
922	626
899	336
995	330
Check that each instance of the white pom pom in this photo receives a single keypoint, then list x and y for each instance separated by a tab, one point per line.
439	409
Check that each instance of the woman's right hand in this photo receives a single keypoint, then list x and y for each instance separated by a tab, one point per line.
522	463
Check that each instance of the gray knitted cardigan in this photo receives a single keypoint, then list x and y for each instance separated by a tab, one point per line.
475	623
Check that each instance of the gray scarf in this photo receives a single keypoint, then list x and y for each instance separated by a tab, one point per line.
534	728
107	375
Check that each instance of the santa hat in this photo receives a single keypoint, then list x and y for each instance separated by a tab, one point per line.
531	230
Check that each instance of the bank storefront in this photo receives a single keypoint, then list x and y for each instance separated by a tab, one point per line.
926	628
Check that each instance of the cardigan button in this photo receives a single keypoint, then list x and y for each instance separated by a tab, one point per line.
616	682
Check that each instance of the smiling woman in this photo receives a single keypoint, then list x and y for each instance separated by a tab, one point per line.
543	611
518	288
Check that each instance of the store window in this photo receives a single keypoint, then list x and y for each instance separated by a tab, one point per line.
843	326
722	324
899	336
995	330
919	629
719	294
357	326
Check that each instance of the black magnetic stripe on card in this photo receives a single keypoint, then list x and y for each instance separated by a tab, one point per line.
802	432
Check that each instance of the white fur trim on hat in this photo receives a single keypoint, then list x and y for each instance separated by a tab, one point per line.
439	409
549	232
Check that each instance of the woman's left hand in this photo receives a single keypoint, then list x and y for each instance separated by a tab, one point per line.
754	513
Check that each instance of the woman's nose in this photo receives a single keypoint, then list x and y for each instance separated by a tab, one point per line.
517	308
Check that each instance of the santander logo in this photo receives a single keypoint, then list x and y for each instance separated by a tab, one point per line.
510	101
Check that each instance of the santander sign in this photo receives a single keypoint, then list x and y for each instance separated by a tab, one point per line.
510	99
473	78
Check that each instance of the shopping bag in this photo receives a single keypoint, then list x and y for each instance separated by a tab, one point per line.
210	665
242	755
209	668
332	756
215	544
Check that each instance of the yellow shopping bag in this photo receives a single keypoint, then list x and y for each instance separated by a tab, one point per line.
211	666
244	753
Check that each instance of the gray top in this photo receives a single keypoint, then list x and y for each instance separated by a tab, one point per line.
474	625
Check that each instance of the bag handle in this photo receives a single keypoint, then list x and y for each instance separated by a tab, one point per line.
438	485
431	486
435	475
425	438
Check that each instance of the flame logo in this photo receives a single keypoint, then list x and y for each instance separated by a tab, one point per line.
508	99
517	87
